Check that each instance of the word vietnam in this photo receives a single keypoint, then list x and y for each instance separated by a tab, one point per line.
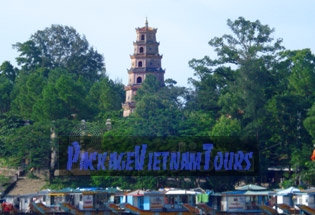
157	161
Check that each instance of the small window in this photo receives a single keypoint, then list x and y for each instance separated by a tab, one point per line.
140	64
142	37
141	49
139	80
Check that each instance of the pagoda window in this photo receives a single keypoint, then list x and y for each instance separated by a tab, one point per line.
142	37
139	80
140	64
141	49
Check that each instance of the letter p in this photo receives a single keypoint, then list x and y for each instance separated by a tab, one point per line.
73	154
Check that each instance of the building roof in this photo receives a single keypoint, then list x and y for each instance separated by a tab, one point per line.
258	193
136	193
251	187
248	193
146	27
145	193
234	192
289	190
182	192
153	193
309	191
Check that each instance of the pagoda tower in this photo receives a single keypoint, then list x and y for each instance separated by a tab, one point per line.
145	60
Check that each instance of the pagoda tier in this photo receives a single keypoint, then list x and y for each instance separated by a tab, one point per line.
146	70
145	55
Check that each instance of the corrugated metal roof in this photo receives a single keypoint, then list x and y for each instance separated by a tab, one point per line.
248	193
234	192
251	187
182	192
258	193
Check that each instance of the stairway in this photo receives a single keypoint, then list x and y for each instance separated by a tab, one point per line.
26	185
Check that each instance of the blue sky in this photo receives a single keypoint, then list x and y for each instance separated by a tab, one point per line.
184	26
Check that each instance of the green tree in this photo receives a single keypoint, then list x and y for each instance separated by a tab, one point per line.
8	122
286	141
196	123
282	113
49	106
60	47
226	127
244	65
309	122
208	86
302	69
6	87
62	97
126	182
105	98
7	70
26	143
241	79
27	90
157	109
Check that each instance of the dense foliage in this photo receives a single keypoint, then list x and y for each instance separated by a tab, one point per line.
61	81
253	87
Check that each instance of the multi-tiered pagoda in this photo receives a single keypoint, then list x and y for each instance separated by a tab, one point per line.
145	60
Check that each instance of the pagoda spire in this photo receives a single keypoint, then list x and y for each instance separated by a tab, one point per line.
146	22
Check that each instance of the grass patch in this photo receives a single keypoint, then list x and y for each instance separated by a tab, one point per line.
4	180
69	181
32	176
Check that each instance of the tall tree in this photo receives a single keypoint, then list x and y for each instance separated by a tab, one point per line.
286	141
25	142
61	47
106	97
301	80
6	87
157	108
245	61
241	78
27	90
62	97
7	70
7	78
309	122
